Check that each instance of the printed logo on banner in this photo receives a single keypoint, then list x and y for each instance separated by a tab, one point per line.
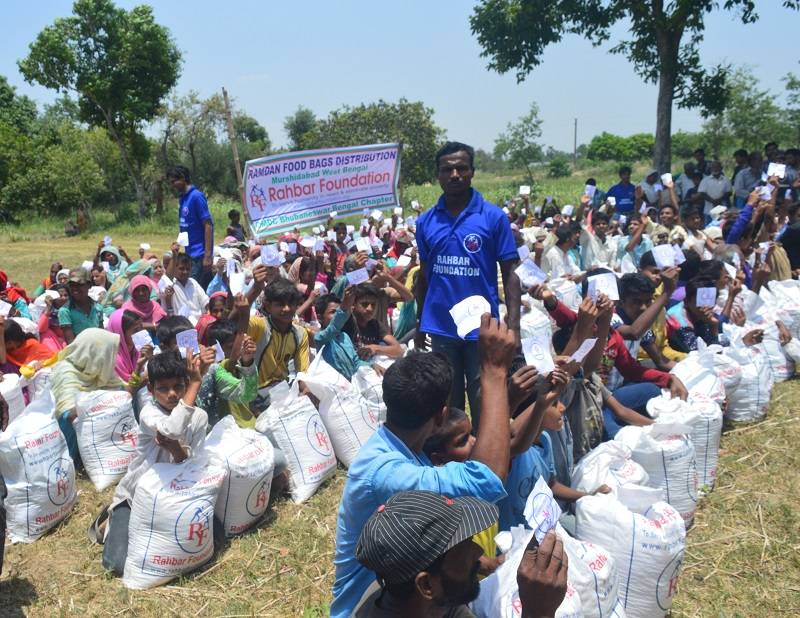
193	526
667	584
59	485
258	198
125	434
317	436
259	496
473	243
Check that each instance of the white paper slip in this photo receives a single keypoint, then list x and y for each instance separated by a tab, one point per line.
236	283
141	339
403	261
316	229
523	252
611	200
283	246
567	210
467	314
664	256
164	283
251	242
87	266
219	354
506	210
144	246
106	240
537	210
666	178
549	199
230	267
291	248
364	223
541	510
776	169
307	241
623	220
530	274
187	339
5	308
537	353
679	257
106	266
524	190
183	239
350	229
706	297
362	244
331	235
586	347
589	190
377	215
765	192
270	256
605	283
398	210
354	277
415	204
643	209
732	272
370	265
523	212
658	187
319	245
764	246
736	261
333	214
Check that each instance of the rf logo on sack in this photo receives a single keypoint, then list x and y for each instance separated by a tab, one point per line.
259	496
317	436
59	481
193	526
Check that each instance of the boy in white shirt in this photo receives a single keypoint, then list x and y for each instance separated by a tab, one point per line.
171	429
185	296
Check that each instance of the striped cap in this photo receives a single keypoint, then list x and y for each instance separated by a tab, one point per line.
405	535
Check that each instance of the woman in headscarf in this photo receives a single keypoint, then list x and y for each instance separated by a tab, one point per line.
140	303
112	255
50	280
303	273
125	323
14	295
22	349
87	364
119	291
217	303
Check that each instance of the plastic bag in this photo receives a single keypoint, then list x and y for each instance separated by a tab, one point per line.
697	373
750	400
11	391
610	463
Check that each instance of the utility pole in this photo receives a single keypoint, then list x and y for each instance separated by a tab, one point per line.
575	145
234	149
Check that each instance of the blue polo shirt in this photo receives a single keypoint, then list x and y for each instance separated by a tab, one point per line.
624	194
383	467
193	212
460	256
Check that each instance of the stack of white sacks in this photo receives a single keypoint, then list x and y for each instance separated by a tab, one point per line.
229	479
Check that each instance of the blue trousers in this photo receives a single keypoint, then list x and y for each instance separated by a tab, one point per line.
466	363
203	277
634	396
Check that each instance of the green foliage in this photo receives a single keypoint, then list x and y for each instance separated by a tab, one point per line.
559	168
298	125
518	145
609	147
684	144
120	64
407	122
16	111
793	99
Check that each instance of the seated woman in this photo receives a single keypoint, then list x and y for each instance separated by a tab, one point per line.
150	311
50	333
22	350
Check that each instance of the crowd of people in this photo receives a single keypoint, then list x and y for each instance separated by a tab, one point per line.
631	279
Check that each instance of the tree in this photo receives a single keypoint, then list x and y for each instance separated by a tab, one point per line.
119	64
664	45
16	111
407	122
518	144
793	99
298	125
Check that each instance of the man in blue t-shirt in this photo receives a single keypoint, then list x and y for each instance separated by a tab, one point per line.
195	219
460	242
623	192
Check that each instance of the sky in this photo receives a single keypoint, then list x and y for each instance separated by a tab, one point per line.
274	56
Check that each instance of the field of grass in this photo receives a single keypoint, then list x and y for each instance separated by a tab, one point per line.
742	559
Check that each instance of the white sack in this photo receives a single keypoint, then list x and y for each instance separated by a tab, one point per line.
750	400
11	390
697	373
249	459
609	463
38	472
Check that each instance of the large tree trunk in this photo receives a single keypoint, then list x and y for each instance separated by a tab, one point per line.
136	178
662	152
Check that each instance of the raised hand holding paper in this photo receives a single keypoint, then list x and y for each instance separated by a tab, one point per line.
141	339
666	178
679	257
187	339
107	240
87	266
236	283
529	273
706	297
164	283
730	270
664	256
219	354
183	239
523	252
776	169
270	255
524	190
605	283
403	261
586	347
611	200
567	210
467	314
398	210
354	277
541	509
589	190
144	246
362	244
537	353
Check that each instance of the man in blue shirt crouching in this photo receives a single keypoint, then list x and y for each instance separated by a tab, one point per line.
416	390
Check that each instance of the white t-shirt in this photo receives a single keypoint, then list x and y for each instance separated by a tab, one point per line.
714	188
557	263
189	300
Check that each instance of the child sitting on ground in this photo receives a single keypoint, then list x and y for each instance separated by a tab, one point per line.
371	337
167	330
171	428
334	344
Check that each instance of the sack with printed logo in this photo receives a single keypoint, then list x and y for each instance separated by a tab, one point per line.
667	454
647	545
697	373
297	428
610	463
172	521
349	417
248	457
749	401
107	434
11	390
38	472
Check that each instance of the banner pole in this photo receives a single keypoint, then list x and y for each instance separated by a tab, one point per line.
234	149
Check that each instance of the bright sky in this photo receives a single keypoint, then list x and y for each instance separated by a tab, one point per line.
274	56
